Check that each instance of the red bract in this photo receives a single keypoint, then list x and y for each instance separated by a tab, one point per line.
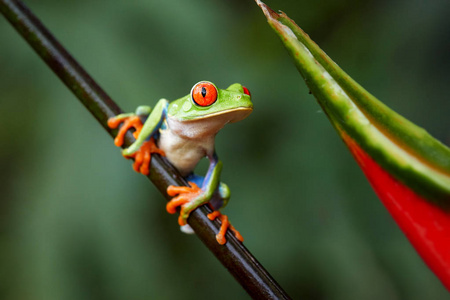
426	226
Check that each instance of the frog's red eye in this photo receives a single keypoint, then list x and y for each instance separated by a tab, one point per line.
246	91
204	93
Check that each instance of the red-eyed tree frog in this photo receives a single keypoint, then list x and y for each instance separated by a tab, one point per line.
184	131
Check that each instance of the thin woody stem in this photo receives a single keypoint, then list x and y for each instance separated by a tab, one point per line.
233	255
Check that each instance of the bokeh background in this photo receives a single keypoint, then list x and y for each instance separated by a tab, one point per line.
77	223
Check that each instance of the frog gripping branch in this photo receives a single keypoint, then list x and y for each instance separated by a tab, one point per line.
234	256
183	131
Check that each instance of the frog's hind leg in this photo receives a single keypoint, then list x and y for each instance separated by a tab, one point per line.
222	194
198	180
219	199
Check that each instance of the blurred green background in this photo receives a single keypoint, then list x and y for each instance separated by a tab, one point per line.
77	223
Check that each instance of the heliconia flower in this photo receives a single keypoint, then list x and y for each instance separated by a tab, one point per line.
408	169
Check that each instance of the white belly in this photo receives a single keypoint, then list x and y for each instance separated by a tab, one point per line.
184	153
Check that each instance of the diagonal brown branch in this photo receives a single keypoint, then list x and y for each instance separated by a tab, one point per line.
233	255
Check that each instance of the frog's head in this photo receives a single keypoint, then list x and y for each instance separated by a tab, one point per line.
207	102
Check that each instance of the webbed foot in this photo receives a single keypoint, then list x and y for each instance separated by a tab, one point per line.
185	197
188	199
142	156
225	225
129	121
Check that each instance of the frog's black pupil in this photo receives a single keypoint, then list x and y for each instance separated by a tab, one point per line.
203	92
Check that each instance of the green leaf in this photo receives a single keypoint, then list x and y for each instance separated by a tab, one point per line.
403	149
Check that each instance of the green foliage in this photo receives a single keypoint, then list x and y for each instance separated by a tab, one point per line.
77	223
402	148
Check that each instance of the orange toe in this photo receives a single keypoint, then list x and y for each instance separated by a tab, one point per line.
143	156
225	225
173	204
184	194
128	123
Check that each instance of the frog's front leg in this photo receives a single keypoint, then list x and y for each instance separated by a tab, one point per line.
144	145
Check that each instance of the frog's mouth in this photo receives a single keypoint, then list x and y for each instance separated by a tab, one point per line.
234	115
209	125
